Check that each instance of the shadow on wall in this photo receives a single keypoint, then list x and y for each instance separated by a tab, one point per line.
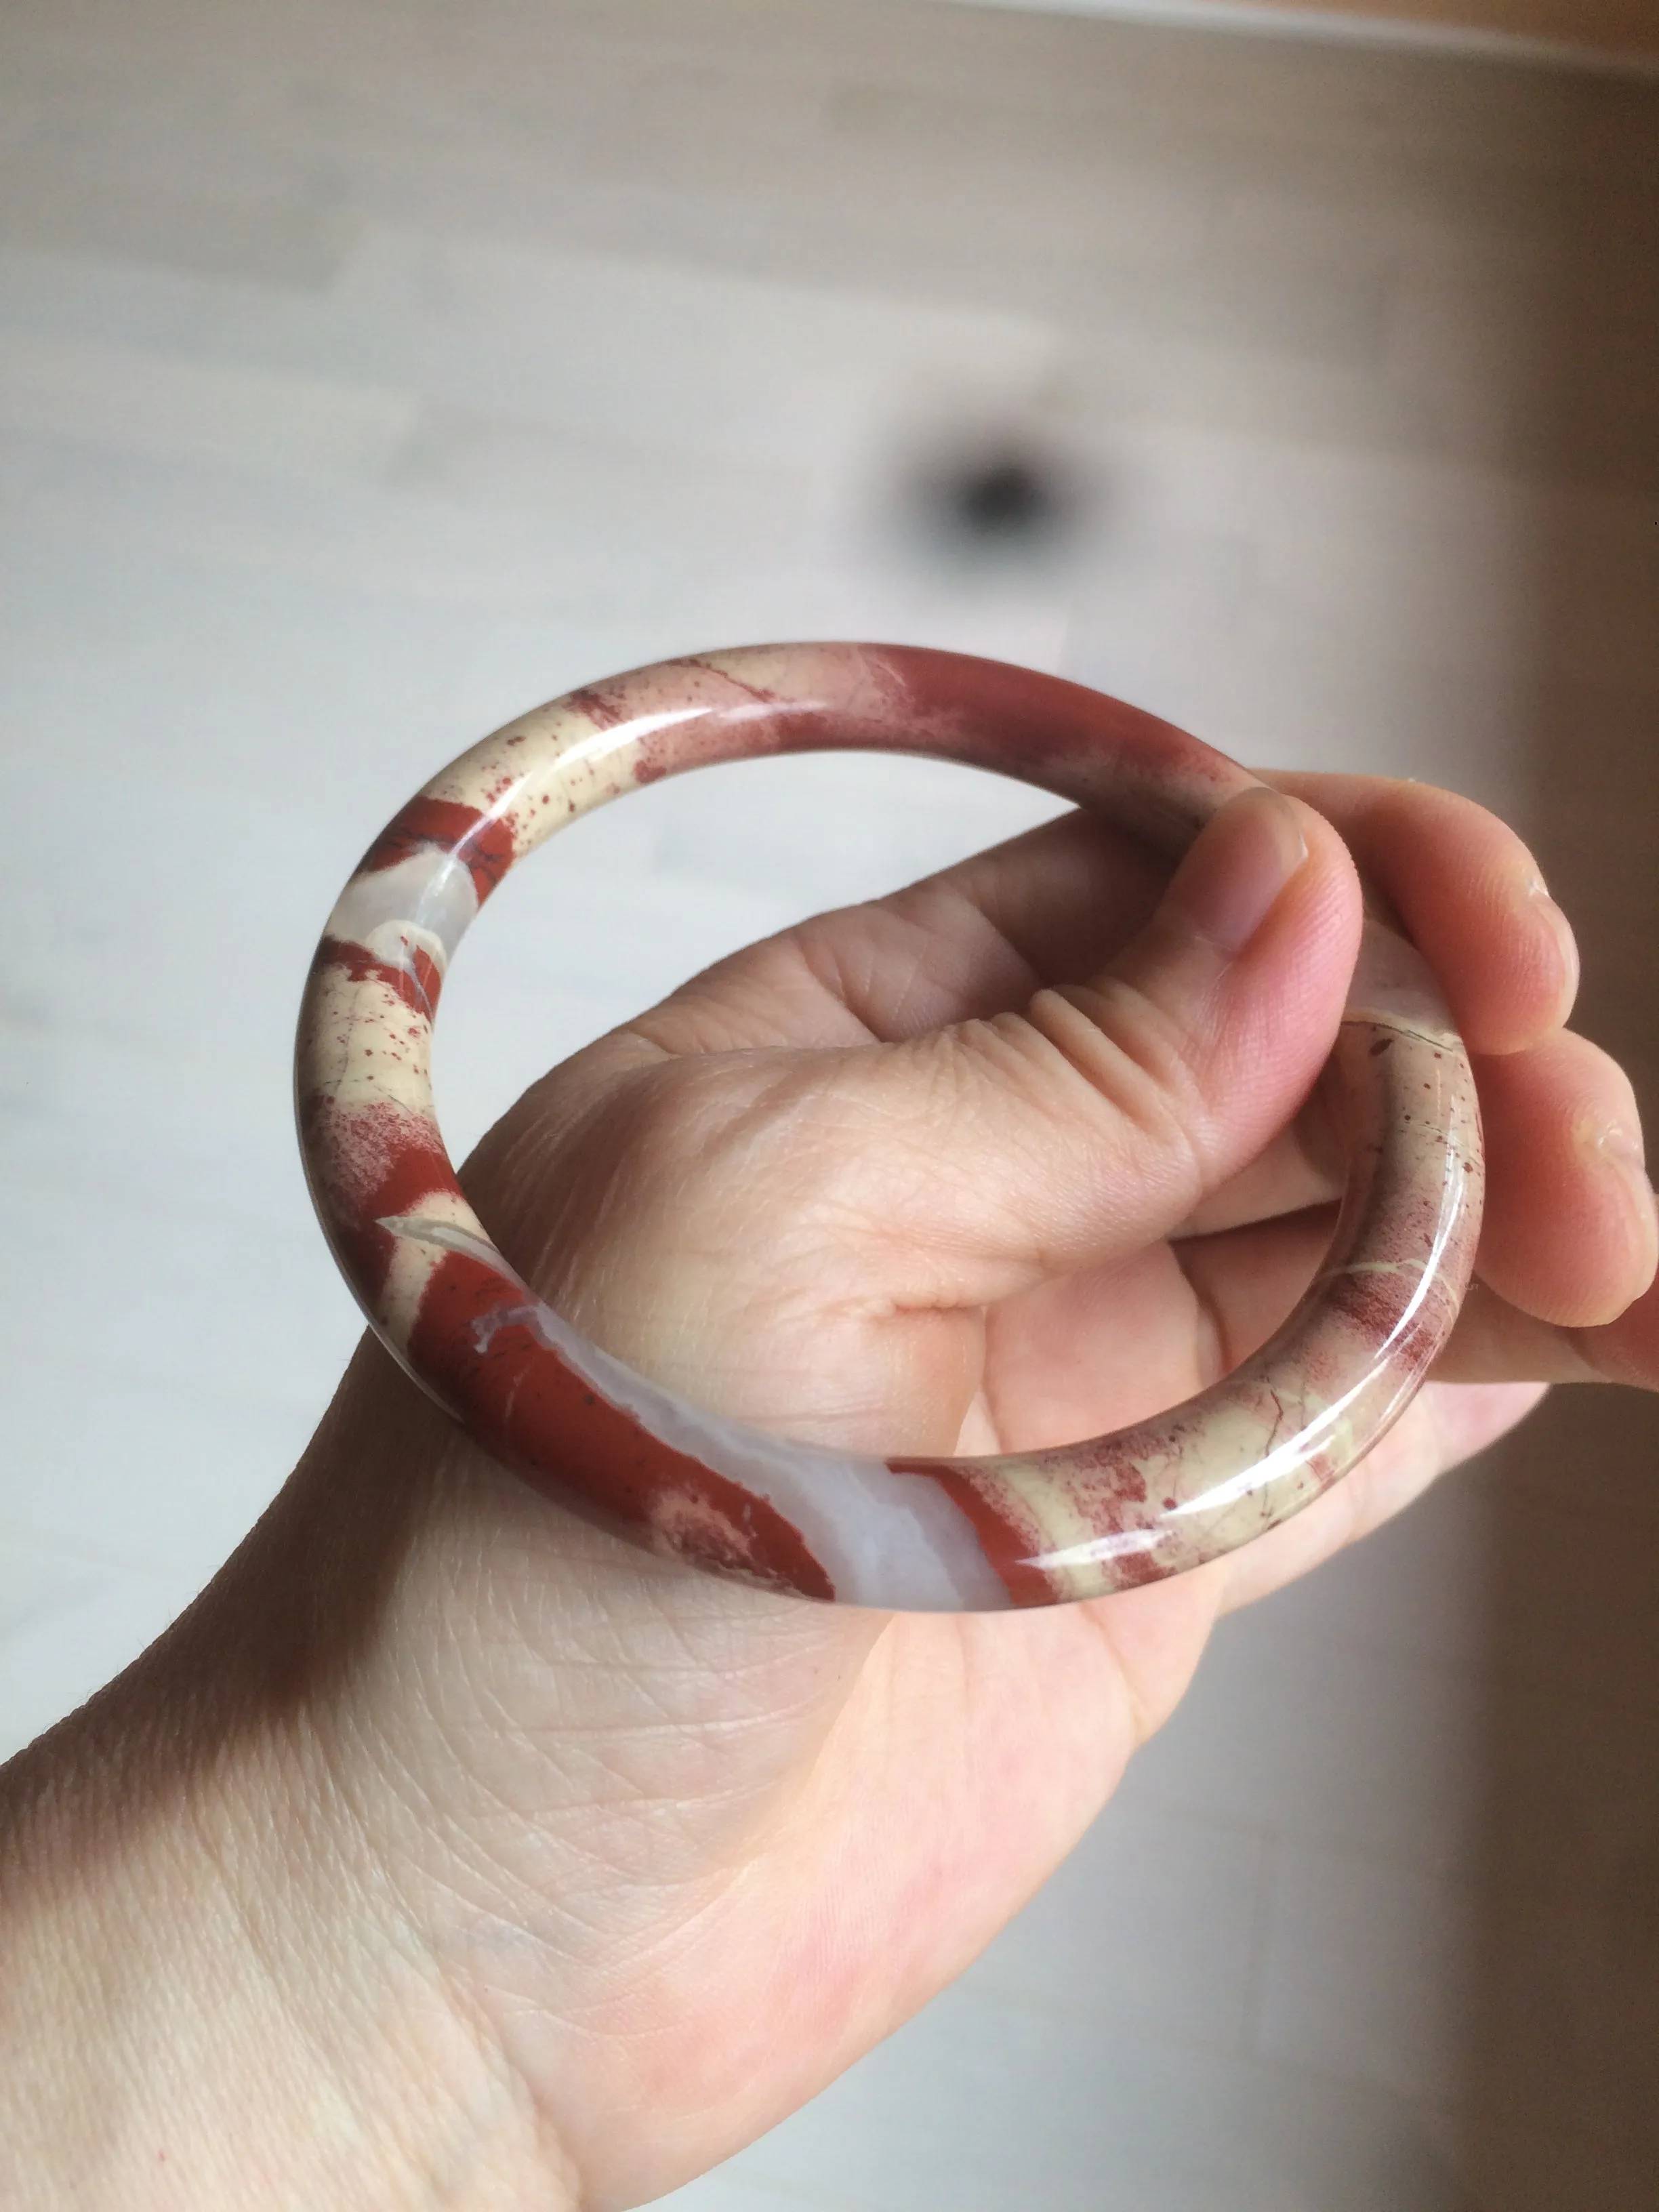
1564	2047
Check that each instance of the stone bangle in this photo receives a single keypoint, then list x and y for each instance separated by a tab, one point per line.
1024	1528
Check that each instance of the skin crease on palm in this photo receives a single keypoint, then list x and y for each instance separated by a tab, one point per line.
568	1871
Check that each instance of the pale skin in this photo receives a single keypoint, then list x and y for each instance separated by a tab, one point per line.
450	1851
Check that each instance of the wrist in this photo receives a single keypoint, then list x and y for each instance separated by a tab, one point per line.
211	1993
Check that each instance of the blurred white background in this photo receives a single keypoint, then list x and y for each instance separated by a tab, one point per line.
371	371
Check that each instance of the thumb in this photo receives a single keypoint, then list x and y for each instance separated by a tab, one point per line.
1090	1124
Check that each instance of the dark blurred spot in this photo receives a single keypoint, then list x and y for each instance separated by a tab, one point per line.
1008	498
1001	502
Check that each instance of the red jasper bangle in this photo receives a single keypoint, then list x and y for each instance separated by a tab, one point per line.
1025	1528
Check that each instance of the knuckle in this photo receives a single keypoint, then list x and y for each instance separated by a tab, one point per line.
1108	1050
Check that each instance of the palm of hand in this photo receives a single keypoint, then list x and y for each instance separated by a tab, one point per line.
719	1842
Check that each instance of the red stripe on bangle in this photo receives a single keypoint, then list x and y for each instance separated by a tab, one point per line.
519	1399
483	843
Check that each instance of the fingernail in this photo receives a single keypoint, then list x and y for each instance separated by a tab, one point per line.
1230	881
1566	944
1621	1148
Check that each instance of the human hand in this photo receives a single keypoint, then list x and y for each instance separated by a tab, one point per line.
650	1857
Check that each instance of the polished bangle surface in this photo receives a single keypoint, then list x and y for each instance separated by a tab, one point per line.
1019	1529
